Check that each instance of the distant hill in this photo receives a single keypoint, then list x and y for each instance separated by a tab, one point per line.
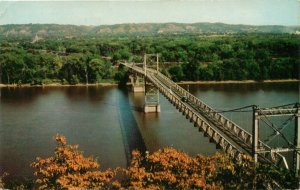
55	30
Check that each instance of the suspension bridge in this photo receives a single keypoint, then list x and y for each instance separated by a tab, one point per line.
226	134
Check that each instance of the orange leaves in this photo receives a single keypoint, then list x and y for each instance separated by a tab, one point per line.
60	139
68	168
163	169
167	168
2	184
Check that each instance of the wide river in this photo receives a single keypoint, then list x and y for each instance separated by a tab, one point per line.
107	122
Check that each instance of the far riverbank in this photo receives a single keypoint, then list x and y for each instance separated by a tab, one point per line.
181	82
59	84
238	81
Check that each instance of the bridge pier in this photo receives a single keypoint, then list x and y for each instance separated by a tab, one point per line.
138	88
137	83
154	108
151	98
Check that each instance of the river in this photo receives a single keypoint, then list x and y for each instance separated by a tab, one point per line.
107	122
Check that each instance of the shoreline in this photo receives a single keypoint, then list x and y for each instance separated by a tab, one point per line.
181	82
239	81
57	85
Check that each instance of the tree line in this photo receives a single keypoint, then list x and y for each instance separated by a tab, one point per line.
168	168
183	57
21	67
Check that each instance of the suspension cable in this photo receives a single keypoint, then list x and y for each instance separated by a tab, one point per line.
237	109
296	103
251	106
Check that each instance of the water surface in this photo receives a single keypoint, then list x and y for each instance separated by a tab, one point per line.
107	122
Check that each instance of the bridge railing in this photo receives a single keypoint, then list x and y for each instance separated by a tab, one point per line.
240	132
215	136
246	136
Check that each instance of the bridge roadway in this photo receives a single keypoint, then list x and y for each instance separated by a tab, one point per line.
223	132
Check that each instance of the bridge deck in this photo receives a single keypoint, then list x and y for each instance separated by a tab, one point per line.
225	133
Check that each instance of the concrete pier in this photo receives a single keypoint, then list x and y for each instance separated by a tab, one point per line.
137	83
138	88
152	108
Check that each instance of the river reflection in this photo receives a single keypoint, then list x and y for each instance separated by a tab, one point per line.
107	122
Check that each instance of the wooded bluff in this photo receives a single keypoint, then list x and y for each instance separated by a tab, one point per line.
182	57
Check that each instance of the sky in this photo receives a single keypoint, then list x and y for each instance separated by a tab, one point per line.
107	12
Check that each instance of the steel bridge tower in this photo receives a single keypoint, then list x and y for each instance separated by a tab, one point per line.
263	115
140	83
151	61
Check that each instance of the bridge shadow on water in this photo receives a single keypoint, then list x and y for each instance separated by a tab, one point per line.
132	138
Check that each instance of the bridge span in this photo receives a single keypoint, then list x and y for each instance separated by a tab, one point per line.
226	134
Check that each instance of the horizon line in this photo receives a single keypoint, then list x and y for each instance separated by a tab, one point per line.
137	23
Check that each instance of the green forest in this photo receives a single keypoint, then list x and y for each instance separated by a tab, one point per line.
182	57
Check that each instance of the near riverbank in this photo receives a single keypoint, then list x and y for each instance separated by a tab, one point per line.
181	82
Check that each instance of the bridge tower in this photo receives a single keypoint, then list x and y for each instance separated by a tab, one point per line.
151	61
0	79
297	141
264	115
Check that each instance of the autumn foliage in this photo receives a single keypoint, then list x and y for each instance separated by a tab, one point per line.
68	168
171	169
2	184
163	169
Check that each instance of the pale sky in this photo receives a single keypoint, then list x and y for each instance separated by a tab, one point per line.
100	12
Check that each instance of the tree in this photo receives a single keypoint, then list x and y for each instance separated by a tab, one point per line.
226	51
206	72
122	76
74	69
121	54
98	69
2	176
12	65
176	73
164	169
68	168
170	169
279	66
191	70
245	174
